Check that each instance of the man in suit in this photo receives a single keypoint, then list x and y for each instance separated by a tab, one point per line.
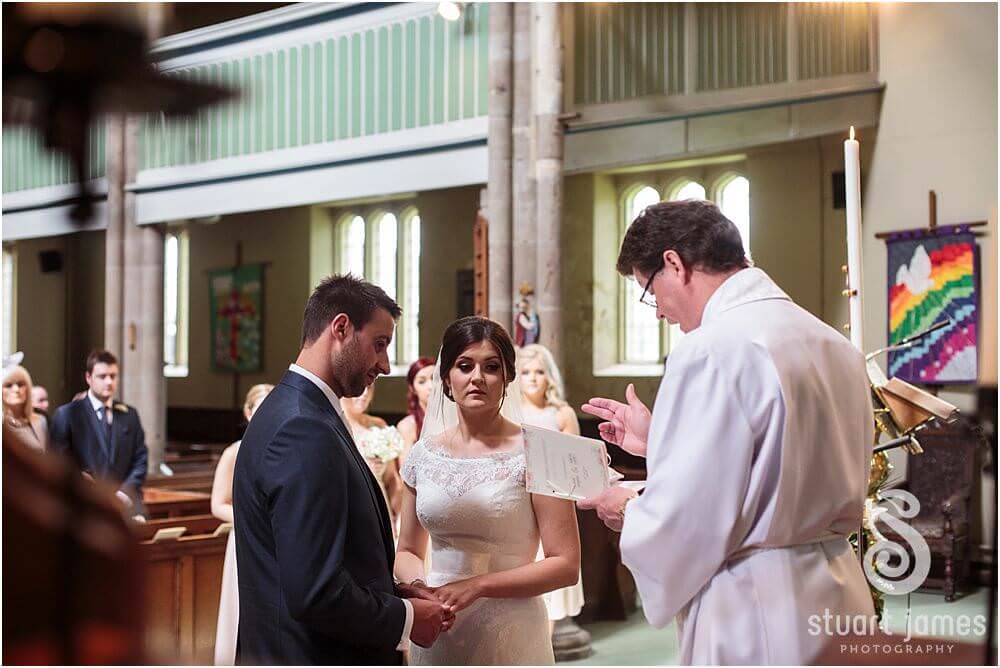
314	544
104	437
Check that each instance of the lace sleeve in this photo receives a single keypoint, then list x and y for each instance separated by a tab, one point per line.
409	470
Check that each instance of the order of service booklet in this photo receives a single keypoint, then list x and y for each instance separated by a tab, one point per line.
563	465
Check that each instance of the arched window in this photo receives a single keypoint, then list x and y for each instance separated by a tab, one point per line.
351	259
176	269
9	344
734	201
689	190
641	335
384	247
385	273
409	332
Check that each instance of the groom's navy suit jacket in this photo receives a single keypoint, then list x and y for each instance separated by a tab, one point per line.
314	545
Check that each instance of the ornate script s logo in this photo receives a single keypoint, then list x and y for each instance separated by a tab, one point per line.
898	504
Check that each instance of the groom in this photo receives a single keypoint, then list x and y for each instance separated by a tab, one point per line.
313	540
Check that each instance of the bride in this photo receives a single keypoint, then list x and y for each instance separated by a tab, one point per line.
464	482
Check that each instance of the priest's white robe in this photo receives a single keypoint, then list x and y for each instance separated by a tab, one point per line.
757	468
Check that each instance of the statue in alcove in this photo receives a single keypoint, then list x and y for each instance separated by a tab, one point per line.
527	327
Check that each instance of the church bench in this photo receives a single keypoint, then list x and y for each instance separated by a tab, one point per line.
175	503
198	481
194	525
184	579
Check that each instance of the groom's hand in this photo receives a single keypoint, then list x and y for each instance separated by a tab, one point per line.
428	621
416	589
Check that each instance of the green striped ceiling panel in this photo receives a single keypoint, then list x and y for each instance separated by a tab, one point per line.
627	50
27	164
412	73
834	38
741	44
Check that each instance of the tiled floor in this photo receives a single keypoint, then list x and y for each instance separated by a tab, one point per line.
634	642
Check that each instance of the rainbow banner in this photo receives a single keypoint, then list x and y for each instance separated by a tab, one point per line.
933	276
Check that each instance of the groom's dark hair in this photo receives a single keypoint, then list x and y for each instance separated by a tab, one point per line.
344	294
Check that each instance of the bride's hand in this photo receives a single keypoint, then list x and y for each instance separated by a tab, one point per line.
460	595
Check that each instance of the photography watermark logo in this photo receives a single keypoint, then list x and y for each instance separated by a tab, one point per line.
895	506
917	634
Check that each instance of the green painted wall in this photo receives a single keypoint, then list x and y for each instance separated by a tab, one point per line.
279	238
60	315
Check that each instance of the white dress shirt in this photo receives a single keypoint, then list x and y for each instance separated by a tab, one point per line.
109	414
404	641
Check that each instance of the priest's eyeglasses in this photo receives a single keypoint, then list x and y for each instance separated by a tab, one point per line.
646	298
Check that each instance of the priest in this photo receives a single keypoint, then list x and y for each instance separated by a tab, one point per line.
757	452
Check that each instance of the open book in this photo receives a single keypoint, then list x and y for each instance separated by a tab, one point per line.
565	466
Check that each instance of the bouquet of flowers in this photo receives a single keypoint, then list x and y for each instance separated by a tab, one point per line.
381	443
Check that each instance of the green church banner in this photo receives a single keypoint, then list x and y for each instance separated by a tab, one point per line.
236	314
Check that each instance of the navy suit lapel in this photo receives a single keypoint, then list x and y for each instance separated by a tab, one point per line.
306	386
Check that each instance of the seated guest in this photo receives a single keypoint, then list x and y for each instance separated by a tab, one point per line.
17	412
40	400
104	437
222	507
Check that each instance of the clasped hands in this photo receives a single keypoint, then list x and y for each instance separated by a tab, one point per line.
434	608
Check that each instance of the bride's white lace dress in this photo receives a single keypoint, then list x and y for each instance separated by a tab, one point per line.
480	520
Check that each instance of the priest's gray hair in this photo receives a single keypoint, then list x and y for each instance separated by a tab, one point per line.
695	229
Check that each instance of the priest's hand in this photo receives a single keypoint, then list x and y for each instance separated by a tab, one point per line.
610	505
626	425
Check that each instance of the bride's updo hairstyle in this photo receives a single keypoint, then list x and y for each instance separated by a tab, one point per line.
469	331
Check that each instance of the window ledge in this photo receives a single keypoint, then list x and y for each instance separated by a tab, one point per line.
650	369
175	371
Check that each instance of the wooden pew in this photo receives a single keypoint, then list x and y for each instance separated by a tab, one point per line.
184	579
194	525
197	481
191	463
175	503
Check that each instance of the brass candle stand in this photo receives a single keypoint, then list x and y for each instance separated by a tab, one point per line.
901	412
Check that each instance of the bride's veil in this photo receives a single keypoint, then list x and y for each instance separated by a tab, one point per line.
442	413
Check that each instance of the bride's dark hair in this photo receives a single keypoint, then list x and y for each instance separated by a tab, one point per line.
471	330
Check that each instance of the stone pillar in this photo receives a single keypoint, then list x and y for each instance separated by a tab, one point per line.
140	280
114	240
525	230
143	384
548	91
499	177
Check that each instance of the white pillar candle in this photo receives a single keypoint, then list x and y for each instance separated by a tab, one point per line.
852	178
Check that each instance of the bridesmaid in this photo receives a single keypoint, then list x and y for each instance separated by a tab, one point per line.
222	507
362	425
418	389
544	405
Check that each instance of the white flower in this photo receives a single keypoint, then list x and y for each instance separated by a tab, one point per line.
382	443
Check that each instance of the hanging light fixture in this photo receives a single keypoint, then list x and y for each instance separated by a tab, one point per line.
450	11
